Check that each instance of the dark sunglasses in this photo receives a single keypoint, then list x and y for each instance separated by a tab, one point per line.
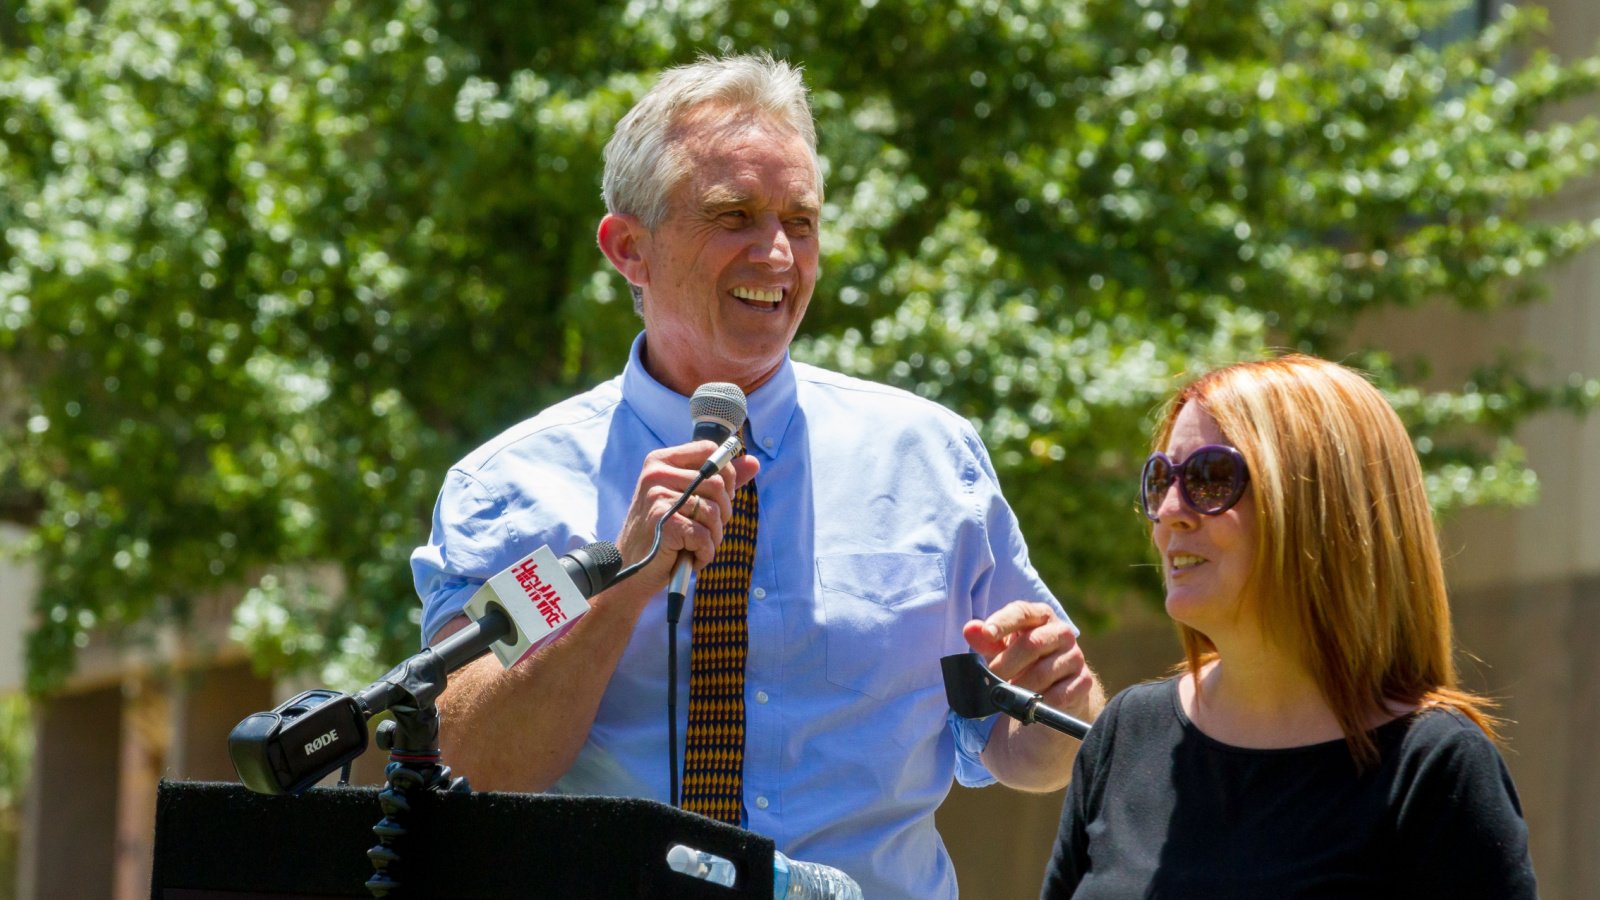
1211	480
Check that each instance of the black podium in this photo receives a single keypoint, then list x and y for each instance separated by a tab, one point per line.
220	841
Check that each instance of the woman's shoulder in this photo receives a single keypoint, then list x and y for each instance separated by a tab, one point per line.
1147	701
1456	810
1138	720
1152	691
1433	729
1440	753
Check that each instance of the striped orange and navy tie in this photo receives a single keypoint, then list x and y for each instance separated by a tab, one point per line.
713	758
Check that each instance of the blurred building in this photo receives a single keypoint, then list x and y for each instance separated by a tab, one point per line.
1526	589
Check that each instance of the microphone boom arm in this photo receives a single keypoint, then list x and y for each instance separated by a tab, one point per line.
321	731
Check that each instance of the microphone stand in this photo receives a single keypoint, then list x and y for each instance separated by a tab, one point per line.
409	692
975	692
265	747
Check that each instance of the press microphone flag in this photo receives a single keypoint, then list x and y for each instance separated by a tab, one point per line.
539	598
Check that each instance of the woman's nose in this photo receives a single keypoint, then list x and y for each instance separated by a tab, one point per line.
1173	511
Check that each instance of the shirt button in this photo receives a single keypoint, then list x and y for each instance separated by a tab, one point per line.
761	696
759	593
761	803
766	442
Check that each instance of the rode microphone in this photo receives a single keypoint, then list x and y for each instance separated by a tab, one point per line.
718	410
299	743
321	731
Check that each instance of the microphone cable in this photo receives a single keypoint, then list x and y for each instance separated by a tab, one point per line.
712	465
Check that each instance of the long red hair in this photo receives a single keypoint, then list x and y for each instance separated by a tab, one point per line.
1348	576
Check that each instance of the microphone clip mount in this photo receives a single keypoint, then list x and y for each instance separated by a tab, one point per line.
975	692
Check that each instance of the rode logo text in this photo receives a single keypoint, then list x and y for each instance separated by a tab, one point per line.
323	741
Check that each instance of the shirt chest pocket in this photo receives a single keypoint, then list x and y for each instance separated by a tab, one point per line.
887	615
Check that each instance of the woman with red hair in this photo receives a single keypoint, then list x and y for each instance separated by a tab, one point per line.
1315	743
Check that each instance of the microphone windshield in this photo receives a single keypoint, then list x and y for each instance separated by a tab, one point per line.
593	566
719	403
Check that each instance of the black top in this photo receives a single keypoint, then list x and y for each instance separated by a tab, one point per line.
1158	809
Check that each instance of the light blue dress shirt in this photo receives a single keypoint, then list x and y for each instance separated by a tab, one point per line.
882	532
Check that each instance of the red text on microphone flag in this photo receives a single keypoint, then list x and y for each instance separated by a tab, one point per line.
544	595
539	596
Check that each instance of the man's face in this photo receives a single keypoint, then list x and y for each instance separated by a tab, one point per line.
730	270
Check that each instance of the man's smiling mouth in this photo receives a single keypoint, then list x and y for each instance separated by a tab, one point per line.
765	298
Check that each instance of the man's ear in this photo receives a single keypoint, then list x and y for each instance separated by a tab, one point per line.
622	239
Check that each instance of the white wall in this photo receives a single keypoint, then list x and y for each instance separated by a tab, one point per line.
17	585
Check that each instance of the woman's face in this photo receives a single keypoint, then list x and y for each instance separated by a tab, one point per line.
1205	560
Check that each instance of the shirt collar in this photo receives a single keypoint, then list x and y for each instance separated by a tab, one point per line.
666	412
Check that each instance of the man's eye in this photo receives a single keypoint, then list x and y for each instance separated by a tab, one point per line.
734	216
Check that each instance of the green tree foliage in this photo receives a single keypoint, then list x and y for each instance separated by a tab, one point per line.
16	761
266	269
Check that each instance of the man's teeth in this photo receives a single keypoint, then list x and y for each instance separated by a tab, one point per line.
1185	560
772	296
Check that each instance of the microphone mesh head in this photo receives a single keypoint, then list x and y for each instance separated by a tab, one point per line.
607	558
718	401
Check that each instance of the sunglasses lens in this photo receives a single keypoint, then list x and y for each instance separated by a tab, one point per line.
1156	479
1212	480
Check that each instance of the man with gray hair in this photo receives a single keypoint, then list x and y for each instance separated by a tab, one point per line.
880	541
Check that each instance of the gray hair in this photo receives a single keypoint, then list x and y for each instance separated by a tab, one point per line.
644	160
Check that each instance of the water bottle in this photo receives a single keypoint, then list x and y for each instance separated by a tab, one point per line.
700	864
796	880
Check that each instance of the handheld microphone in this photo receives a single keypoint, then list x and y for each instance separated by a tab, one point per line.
718	409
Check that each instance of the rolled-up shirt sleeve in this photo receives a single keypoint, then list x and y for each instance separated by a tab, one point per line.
1006	575
468	538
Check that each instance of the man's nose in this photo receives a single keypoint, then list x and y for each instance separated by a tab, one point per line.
773	248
